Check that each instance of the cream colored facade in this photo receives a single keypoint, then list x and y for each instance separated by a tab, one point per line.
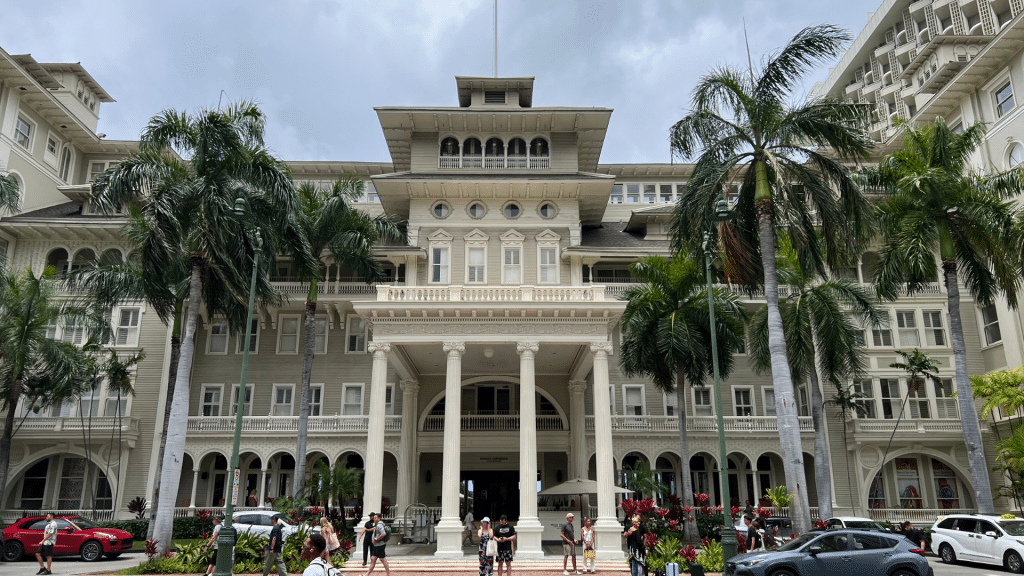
489	358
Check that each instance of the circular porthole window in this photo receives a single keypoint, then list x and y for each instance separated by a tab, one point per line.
476	210
441	210
547	210
512	210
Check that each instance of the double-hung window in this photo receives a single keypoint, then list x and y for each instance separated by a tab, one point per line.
666	194
254	338
439	265
352	399
115	405
866	402
320	334
283	399
702	405
355	336
288	335
906	324
211	399
476	263
548	268
217	342
650	194
616	196
890	388
127	327
671	404
633	399
769	401
945	403
990	322
1004	99
512	267
743	401
247	411
23	132
934	334
881	337
316	399
917	399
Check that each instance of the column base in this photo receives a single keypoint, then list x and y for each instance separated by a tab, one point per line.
608	539
449	539
528	538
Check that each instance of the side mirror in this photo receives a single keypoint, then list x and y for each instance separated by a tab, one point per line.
992	534
815	550
69	530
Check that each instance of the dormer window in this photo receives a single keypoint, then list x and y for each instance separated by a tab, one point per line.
494	96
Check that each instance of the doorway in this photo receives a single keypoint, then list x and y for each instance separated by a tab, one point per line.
491	493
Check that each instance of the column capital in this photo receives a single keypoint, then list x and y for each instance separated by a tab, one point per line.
577	386
601	348
524	347
454	349
410	386
379	349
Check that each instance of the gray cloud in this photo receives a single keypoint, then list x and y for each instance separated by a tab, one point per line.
318	67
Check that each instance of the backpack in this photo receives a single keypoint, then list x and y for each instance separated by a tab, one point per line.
387	533
331	570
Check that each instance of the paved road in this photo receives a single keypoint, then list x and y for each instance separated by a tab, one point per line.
963	569
72	565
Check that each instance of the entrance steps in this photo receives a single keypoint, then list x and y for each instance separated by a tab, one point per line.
405	564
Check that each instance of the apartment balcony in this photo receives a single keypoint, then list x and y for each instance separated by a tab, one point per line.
861	428
71	429
493	163
294	288
656	424
493	423
459	293
276	425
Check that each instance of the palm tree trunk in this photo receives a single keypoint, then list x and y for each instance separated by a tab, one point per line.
309	333
965	396
822	463
177	421
785	398
8	435
849	474
690	533
172	374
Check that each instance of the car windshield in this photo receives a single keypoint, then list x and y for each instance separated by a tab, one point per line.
83	523
862	524
797	542
1013	527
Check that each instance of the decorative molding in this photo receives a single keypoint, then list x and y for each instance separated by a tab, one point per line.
379	349
454	349
489	326
524	347
577	386
601	347
410	387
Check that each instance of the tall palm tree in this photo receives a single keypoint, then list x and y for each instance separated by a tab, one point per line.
189	206
10	194
334	485
330	224
820	335
29	360
790	162
666	336
933	203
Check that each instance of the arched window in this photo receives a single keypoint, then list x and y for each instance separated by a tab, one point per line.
516	153
65	164
1016	155
472	153
495	153
539	153
112	255
58	258
83	257
449	147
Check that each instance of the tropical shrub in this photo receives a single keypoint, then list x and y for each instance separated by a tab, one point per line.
137	528
778	496
138	507
711	557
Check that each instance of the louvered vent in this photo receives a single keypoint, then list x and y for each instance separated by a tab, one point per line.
494	97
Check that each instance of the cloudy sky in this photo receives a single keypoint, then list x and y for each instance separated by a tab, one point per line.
317	68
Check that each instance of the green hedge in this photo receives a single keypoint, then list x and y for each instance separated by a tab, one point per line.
137	528
186	528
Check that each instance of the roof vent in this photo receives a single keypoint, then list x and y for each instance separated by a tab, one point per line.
494	96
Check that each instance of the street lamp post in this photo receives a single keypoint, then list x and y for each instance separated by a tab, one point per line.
729	543
226	537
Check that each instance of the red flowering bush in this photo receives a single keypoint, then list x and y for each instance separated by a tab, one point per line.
642	507
701	499
764	512
819	524
316	510
689	553
673	525
203	514
741	543
661	512
735	511
650	540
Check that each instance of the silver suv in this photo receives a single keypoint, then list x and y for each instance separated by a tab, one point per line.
979	538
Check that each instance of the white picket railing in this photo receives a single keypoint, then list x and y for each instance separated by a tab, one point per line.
875	426
493	162
354	424
9	517
923	516
499	422
459	293
626	424
302	288
61	423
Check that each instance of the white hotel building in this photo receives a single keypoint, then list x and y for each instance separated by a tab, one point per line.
489	359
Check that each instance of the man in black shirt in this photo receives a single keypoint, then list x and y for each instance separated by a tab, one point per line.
274	556
368	537
505	535
914	535
634	536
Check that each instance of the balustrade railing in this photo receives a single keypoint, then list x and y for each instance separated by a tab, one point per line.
273	424
9	517
916	515
698	423
60	423
493	162
496	422
879	426
459	293
302	288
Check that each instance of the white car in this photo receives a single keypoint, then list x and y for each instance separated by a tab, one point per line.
980	538
854	523
258	522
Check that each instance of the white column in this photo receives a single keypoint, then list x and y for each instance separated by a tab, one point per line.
195	483
580	461
528	529
449	529
374	461
263	488
607	530
407	448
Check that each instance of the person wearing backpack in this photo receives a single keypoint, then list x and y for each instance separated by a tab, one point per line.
315	550
379	542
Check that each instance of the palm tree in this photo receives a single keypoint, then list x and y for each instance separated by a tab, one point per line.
29	360
189	208
329	223
790	163
934	203
334	485
666	337
820	335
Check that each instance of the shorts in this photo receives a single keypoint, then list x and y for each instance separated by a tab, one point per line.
568	549
504	555
213	559
46	550
378	552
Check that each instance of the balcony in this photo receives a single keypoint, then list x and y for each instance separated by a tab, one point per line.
60	428
296	288
459	293
744	424
924	516
274	425
884	427
493	163
613	291
494	422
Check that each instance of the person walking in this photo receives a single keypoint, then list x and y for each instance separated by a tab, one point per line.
634	536
505	534
568	546
484	536
314	549
914	535
212	542
45	549
379	541
467	540
275	546
327	531
367	536
754	541
589	552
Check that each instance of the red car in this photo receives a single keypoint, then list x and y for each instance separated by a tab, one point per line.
75	535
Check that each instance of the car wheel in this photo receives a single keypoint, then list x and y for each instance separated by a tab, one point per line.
113	555
13	551
91	551
782	572
903	572
1014	563
947	554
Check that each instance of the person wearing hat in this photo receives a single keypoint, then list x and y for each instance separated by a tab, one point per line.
275	548
568	546
484	535
367	535
379	545
217	519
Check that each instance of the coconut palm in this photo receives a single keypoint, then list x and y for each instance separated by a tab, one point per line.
933	203
820	335
334	485
29	359
192	168
330	224
10	194
666	337
790	164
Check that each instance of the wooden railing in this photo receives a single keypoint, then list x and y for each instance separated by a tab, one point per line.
923	516
493	162
60	423
698	424
879	426
8	517
351	424
459	293
483	422
302	288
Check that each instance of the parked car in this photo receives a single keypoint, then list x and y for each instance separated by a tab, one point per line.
854	523
258	522
980	538
75	535
835	552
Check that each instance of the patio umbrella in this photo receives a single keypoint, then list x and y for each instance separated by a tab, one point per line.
578	486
